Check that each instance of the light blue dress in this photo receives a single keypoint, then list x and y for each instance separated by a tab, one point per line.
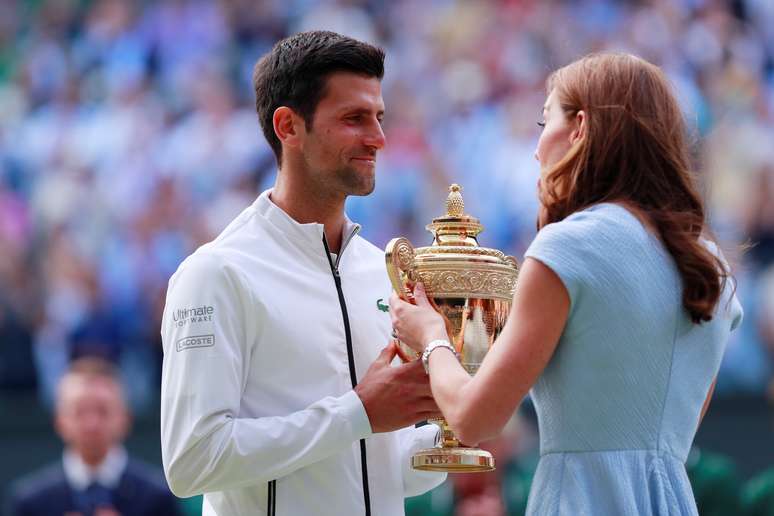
619	402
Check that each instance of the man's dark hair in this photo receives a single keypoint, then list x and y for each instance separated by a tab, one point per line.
295	72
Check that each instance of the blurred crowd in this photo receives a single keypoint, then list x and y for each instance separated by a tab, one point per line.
128	137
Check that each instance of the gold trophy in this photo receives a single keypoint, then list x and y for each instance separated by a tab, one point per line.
472	288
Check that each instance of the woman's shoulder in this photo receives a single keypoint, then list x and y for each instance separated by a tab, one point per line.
594	227
598	240
582	246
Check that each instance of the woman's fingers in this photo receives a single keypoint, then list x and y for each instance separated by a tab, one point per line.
411	322
420	296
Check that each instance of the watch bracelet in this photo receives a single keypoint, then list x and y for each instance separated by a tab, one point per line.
432	346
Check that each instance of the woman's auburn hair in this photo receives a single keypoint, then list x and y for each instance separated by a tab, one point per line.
634	151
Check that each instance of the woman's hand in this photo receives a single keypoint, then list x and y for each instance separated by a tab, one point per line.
416	325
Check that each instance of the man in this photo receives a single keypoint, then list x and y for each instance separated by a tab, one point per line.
269	405
95	476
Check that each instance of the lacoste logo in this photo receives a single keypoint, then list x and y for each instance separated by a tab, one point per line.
381	306
195	341
199	314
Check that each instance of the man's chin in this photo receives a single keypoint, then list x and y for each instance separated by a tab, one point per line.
359	184
363	190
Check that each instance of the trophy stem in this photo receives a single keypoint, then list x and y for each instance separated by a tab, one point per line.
450	455
448	439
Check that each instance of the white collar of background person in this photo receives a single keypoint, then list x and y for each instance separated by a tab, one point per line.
108	474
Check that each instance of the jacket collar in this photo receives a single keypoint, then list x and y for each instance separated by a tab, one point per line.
108	474
309	235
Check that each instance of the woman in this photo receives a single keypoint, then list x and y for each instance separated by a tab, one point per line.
622	308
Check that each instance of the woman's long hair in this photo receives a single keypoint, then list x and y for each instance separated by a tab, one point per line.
634	151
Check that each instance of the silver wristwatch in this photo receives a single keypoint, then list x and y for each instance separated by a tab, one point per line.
435	344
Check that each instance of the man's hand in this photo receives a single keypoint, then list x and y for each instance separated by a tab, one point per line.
396	396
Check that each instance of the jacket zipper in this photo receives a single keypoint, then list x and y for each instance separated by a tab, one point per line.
272	499
350	353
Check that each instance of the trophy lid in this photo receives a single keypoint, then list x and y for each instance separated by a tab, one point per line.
454	265
455	228
456	256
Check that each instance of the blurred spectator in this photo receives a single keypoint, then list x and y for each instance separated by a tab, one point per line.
758	495
16	365
95	476
760	218
715	482
127	139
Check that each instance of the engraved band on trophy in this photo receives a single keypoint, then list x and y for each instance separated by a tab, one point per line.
472	288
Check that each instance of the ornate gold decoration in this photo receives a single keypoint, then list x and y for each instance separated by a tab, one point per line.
483	251
472	287
485	285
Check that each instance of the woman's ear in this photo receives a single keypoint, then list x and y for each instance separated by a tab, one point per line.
579	127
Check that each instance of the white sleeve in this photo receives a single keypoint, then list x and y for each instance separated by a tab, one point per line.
416	482
207	327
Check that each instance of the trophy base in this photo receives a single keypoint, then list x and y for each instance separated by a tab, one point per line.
453	460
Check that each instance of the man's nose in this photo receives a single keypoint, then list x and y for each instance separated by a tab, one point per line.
375	137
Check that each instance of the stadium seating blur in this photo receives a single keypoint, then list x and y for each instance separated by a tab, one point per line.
128	138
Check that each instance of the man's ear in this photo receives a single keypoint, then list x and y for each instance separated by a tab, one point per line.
580	127
288	126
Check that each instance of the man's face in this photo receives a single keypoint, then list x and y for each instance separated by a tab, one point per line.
91	416
340	149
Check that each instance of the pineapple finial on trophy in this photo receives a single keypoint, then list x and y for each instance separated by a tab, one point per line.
455	206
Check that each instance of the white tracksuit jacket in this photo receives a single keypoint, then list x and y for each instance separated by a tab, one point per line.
258	410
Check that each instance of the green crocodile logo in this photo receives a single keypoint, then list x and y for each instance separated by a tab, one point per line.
381	306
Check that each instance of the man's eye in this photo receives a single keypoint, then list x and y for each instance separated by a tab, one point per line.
541	124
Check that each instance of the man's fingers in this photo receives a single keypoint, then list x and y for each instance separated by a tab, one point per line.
425	405
405	358
388	353
416	369
411	371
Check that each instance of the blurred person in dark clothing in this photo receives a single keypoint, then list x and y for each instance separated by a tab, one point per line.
17	369
18	302
95	477
758	495
760	219
715	481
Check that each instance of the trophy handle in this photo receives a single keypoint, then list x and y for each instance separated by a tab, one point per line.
399	256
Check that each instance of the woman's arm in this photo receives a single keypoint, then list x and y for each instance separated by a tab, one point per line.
478	407
707	400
